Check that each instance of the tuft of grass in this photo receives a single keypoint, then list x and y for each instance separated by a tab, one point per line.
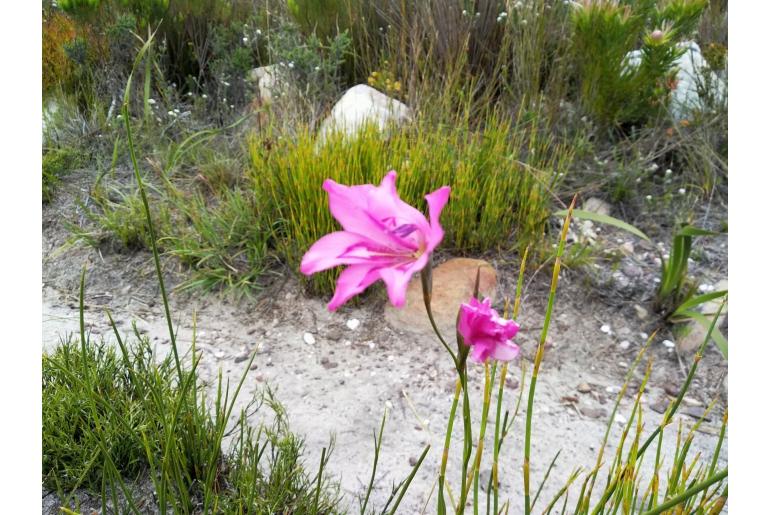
58	162
500	180
108	414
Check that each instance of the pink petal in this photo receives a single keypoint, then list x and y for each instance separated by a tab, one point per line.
436	202
505	352
352	281
326	253
350	207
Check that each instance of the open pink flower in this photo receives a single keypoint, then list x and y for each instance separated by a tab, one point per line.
383	238
488	334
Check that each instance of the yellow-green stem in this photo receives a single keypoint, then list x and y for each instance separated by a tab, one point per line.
539	357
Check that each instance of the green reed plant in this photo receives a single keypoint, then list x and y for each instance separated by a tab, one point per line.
501	177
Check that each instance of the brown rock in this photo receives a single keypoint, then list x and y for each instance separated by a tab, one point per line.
584	388
453	283
671	389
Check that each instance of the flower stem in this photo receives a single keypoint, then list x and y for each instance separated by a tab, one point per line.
539	357
445	454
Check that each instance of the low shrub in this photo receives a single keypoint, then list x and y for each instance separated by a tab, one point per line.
111	419
501	179
57	163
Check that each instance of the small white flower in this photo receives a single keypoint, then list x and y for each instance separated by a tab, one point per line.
151	101
681	191
518	5
158	119
291	64
120	117
317	68
669	171
465	13
281	63
503	14
478	14
204	96
171	113
245	40
638	180
176	111
225	83
523	22
259	32
649	198
189	93
232	106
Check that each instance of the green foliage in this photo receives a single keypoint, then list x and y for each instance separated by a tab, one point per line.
57	162
499	179
313	68
675	287
614	89
322	18
108	417
79	7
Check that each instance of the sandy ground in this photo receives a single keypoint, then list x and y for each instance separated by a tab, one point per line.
341	384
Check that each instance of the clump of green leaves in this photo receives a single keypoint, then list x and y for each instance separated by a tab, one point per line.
500	178
58	162
617	88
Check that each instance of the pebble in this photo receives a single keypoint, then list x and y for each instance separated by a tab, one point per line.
625	344
510	382
308	338
623	364
620	419
668	344
606	329
641	312
696	412
328	364
241	357
584	388
644	336
671	389
660	406
612	389
389	405
412	461
219	354
591	412
353	324
692	401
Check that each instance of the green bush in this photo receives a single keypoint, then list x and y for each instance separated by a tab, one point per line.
112	418
57	163
612	89
499	177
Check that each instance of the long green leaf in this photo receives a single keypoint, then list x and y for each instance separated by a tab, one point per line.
716	335
696	301
604	219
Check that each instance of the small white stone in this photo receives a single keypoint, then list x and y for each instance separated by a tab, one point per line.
648	197
605	329
353	324
668	344
219	354
623	364
308	338
644	335
681	191
703	288
371	345
611	389
620	419
388	404
669	171
625	344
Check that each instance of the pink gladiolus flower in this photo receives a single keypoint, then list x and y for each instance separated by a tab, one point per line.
383	238
488	334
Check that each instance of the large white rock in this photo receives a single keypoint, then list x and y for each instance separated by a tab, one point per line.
692	71
267	81
360	105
